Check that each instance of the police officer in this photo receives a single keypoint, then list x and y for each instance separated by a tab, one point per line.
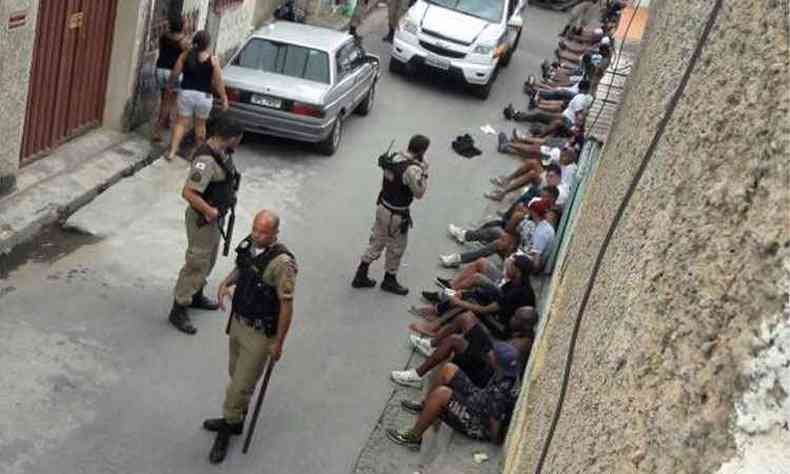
395	10
356	17
264	278
405	178
210	190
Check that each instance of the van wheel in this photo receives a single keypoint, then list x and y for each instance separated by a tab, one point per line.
331	143
396	67
366	105
509	55
482	92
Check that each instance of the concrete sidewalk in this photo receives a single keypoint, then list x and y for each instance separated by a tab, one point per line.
51	189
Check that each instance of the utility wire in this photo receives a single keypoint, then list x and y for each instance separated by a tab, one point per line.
662	125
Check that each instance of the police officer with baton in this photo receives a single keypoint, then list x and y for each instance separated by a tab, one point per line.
264	277
210	190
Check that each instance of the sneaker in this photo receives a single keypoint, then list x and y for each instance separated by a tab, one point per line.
411	406
407	378
458	233
422	344
431	297
450	261
404	438
443	282
499	181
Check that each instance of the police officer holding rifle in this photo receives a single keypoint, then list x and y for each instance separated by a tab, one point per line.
210	190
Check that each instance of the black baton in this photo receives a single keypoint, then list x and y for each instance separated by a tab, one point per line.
261	393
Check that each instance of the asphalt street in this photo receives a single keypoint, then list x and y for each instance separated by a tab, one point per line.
94	380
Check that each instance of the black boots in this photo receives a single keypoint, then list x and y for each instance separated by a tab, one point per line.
389	37
200	301
224	431
391	285
361	279
180	319
216	424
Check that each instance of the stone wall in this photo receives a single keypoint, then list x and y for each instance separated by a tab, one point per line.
16	51
230	27
680	339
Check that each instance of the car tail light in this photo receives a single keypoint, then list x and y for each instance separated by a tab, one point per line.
234	95
308	110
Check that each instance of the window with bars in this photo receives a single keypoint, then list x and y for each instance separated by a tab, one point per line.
222	5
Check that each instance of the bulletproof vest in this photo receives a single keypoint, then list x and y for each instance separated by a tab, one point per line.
220	194
394	191
254	299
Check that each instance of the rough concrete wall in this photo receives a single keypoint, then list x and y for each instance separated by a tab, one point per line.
16	53
690	287
231	27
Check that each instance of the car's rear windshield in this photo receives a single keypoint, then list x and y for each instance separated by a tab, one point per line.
489	10
286	59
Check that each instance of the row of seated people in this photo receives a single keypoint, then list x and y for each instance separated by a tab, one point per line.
477	330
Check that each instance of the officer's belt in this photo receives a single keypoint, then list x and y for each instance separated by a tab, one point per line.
255	324
403	212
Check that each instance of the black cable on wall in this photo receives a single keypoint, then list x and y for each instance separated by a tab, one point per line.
649	153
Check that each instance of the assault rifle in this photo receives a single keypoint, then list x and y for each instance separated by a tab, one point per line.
386	158
227	236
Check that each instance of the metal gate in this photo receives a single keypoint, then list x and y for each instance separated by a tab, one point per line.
68	79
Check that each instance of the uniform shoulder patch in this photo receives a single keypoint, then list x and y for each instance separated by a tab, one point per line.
200	166
196	176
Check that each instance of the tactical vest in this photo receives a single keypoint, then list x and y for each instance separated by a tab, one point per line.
220	194
253	299
395	192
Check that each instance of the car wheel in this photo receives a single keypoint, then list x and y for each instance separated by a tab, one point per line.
330	145
482	92
509	55
396	67
518	40
366	105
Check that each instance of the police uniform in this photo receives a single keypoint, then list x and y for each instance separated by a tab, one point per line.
395	11
356	17
266	278
404	178
212	175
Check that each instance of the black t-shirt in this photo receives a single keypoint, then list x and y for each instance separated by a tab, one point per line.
513	297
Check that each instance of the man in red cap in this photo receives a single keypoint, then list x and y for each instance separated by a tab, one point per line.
542	236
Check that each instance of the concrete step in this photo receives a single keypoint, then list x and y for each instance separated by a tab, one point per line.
54	187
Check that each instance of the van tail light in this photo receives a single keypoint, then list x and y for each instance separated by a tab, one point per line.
234	95
307	110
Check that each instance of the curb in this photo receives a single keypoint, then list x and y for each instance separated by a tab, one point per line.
22	216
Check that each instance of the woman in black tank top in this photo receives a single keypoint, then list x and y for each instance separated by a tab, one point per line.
202	78
171	45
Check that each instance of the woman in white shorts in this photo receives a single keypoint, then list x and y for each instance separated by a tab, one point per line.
171	45
202	76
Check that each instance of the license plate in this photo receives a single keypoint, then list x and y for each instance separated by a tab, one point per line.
266	101
437	62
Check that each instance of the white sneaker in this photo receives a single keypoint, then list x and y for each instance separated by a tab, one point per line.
408	378
458	233
450	261
422	344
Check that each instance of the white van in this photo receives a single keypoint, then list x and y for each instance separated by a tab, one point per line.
468	39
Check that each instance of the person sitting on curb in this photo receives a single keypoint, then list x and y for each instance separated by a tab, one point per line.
488	294
495	237
467	343
479	413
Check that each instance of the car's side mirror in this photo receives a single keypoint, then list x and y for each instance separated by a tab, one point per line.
515	21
